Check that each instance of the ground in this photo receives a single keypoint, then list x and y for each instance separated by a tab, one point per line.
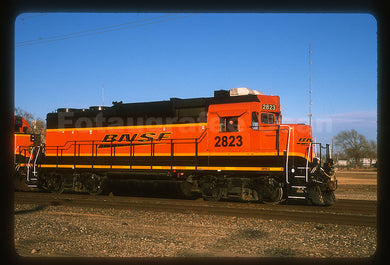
76	231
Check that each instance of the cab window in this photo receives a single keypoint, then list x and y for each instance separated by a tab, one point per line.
267	118
18	124
228	124
255	120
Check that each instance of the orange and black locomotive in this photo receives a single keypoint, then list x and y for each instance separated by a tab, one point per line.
232	145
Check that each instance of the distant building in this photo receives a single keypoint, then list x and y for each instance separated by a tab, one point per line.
342	163
366	162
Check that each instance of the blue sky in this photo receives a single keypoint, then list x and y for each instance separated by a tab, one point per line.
159	56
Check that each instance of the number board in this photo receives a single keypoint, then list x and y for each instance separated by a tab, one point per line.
269	107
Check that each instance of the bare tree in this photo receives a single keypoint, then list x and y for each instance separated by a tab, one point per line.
353	144
26	115
372	150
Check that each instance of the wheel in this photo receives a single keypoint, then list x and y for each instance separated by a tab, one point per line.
55	183
94	184
276	195
185	189
211	191
329	198
216	194
315	195
268	193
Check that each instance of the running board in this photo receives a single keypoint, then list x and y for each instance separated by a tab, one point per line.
31	182
298	187
298	192
296	197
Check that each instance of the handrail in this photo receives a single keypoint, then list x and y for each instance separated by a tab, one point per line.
73	145
132	143
288	150
28	164
307	163
35	161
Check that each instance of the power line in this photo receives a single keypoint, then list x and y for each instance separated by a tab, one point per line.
80	32
94	33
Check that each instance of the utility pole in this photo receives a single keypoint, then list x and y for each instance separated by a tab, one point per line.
331	153
103	95
310	114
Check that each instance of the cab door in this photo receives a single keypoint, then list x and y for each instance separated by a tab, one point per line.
264	132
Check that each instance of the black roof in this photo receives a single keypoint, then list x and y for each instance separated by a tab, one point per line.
157	112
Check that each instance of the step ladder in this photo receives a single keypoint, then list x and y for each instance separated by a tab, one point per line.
297	178
32	177
297	184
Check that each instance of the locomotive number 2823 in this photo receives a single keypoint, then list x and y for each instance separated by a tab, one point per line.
269	107
225	141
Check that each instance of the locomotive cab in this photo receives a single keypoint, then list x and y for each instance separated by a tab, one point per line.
21	125
278	155
237	126
22	137
24	144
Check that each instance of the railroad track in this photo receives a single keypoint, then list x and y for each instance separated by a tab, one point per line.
348	212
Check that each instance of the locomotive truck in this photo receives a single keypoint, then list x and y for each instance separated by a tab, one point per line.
230	146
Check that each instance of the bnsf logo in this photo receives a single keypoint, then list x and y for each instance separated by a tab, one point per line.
304	140
126	139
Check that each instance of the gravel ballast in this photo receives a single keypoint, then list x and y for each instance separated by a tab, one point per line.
81	231
59	230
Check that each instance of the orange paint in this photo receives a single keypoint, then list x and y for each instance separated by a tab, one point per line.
234	128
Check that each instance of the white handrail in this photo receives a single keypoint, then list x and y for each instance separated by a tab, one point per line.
28	164
288	150
35	161
307	164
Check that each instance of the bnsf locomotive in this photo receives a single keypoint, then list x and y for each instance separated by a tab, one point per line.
232	145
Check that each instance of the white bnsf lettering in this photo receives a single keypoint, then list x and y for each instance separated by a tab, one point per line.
126	139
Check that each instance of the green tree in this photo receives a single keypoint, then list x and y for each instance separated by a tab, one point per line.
352	144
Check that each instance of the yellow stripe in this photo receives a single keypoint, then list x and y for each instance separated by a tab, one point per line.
192	154
131	127
54	166
243	168
167	167
83	166
22	134
101	166
22	154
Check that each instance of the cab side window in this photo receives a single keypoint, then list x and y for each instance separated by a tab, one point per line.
255	120
228	124
267	118
18	125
